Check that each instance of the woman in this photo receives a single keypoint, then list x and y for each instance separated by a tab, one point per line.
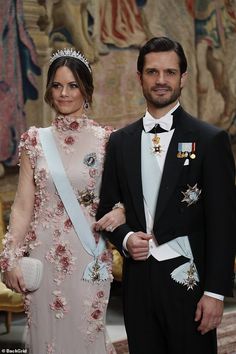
67	313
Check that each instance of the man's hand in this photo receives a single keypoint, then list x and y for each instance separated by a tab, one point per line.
209	312
138	245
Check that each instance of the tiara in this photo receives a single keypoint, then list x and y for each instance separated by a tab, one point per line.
70	52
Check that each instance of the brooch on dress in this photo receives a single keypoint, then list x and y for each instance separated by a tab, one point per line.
191	195
90	159
86	197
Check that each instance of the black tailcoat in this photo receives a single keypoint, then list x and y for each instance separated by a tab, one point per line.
209	223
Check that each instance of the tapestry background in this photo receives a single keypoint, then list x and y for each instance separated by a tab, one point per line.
17	69
110	33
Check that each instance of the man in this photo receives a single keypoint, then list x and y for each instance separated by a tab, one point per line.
177	186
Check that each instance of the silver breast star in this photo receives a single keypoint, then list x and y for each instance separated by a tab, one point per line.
191	195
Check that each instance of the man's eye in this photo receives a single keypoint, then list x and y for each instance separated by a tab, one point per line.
171	72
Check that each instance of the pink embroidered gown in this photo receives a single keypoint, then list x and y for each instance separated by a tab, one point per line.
66	314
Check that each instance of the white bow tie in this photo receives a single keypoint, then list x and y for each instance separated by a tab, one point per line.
165	122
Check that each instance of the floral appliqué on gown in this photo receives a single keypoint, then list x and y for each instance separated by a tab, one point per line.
66	314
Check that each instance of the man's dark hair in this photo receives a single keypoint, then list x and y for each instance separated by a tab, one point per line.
162	44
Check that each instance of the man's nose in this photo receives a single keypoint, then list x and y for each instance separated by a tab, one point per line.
161	78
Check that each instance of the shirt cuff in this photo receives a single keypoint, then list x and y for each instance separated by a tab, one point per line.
125	250
215	296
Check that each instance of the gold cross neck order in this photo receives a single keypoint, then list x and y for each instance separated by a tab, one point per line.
157	149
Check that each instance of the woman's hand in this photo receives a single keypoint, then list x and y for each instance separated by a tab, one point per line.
13	279
111	220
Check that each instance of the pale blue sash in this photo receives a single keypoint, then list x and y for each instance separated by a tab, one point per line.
96	270
185	274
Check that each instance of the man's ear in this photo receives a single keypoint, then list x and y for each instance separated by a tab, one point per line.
183	79
139	77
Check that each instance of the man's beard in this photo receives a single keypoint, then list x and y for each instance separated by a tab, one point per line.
162	102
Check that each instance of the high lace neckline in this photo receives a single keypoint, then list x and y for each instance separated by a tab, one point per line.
69	123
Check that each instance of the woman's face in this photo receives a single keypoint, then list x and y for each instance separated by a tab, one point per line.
66	95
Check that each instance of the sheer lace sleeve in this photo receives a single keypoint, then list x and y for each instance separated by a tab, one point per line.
16	239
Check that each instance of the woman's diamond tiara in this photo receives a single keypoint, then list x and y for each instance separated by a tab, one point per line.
69	52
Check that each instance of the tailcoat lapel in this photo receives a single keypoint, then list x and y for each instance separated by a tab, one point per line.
173	165
132	158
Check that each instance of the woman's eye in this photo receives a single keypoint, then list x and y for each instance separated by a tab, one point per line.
74	85
55	85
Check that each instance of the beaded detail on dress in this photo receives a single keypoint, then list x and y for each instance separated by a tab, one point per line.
65	123
69	128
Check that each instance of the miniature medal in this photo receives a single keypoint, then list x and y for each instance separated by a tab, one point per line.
193	155
186	150
179	155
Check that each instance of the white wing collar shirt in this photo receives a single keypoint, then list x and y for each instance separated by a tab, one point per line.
165	122
164	251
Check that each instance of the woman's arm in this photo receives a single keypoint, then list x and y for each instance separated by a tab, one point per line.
15	243
112	219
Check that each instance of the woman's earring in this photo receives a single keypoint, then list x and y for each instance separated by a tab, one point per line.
86	105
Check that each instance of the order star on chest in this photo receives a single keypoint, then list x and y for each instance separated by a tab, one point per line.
191	195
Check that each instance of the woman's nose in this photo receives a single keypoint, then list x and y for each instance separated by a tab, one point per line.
64	91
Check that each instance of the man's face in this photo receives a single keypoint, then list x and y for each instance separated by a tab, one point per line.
161	79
